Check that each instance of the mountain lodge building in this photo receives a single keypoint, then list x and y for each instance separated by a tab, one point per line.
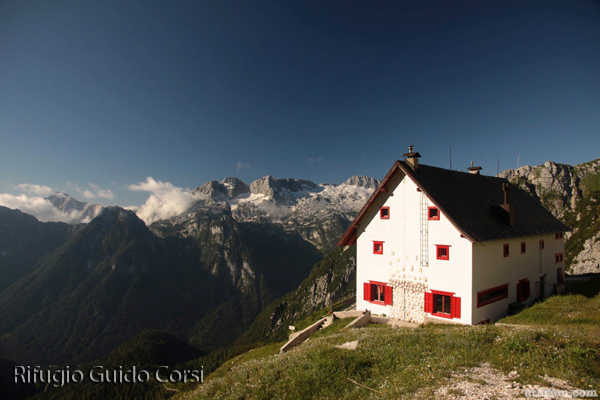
438	244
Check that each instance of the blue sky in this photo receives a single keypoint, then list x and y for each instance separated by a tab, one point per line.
112	92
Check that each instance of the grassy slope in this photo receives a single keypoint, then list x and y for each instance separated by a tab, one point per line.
560	338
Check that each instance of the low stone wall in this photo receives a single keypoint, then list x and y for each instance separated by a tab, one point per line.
301	336
360	321
347	314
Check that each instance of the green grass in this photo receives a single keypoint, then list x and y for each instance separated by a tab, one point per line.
577	312
560	338
254	354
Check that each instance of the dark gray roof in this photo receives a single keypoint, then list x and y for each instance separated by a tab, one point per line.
472	203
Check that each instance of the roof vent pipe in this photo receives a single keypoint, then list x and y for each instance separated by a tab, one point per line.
412	158
474	170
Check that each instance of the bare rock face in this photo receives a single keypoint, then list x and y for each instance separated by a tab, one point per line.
213	191
234	187
362	181
572	194
265	186
556	186
588	259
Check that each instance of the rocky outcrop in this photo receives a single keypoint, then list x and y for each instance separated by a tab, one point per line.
212	191
362	181
588	259
265	186
235	187
572	194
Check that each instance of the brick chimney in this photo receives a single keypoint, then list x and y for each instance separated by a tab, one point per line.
412	158
509	208
474	170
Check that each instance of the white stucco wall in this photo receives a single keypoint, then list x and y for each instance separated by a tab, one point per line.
492	269
401	251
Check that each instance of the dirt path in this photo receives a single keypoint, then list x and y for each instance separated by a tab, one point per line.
485	382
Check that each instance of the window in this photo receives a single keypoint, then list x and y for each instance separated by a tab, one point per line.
433	214
523	288
377	247
492	295
442	252
384	213
558	235
442	304
558	258
560	277
506	250
523	247
541	244
378	293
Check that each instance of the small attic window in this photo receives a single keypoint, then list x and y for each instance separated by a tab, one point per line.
384	213
506	250
559	235
541	244
523	247
433	214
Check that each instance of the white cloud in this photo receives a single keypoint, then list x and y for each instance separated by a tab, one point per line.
242	165
39	190
94	191
313	160
166	200
97	192
39	207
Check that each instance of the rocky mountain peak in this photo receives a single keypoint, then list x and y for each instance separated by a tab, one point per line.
64	202
362	181
235	186
265	185
79	211
213	190
112	214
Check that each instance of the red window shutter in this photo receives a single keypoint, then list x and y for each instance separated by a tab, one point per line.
388	295
367	291
428	302
455	307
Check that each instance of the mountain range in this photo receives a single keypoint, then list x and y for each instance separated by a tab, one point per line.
202	275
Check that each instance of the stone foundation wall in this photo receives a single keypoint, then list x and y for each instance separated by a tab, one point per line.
408	300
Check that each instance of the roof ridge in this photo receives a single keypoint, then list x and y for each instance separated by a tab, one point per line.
489	201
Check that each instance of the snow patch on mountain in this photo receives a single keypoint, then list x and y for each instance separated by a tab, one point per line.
319	212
